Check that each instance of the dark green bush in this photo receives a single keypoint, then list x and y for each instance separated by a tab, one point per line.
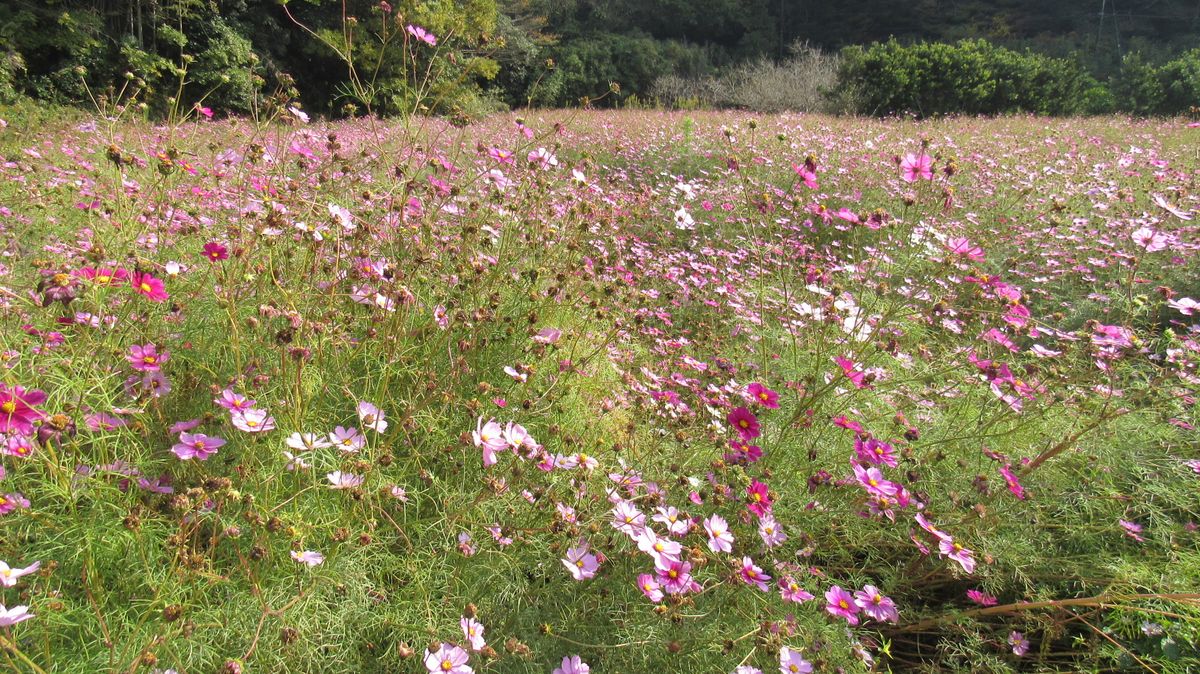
967	77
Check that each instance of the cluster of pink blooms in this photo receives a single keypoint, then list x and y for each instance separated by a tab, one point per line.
243	414
869	601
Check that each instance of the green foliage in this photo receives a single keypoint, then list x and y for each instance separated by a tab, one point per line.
969	77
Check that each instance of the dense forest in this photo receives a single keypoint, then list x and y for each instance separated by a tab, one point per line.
346	56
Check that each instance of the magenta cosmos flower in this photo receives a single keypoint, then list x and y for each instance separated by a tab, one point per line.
752	574
215	252
196	446
152	288
758	498
146	358
840	603
913	167
744	421
875	605
571	664
448	659
103	276
17	412
948	547
764	396
791	662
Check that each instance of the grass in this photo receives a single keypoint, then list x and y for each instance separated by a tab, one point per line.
446	267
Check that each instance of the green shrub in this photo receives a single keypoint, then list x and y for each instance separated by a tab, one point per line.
969	77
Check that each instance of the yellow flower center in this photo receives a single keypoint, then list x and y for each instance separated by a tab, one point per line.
842	603
145	287
8	406
103	279
447	665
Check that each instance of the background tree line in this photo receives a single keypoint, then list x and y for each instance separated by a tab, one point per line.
340	57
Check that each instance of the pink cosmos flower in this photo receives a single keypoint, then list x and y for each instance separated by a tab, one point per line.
490	438
572	665
628	519
807	175
308	557
501	156
764	396
719	537
913	167
840	603
152	288
547	336
421	34
473	633
1010	478
873	481
146	358
758	498
372	417
982	598
17	445
744	422
791	662
651	544
196	446
253	421
747	669
9	575
17	412
670	517
10	502
14	615
650	587
347	440
1020	645
852	372
771	532
234	402
791	591
876	606
675	576
949	548
753	575
215	252
103	276
963	247
203	110
580	562
1150	240
339	480
1132	530
873	450
447	659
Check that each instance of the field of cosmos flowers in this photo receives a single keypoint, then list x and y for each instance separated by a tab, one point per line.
599	391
